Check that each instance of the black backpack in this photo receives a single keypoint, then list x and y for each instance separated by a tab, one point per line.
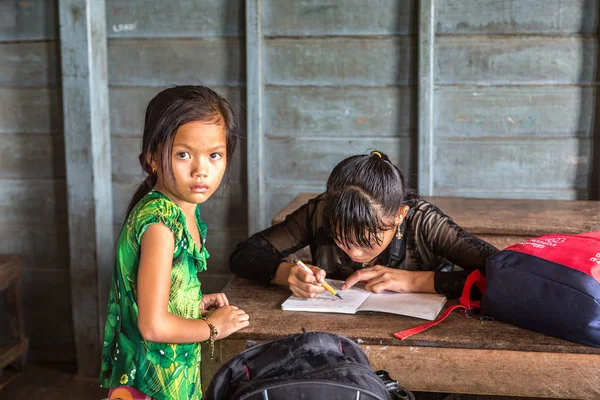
313	365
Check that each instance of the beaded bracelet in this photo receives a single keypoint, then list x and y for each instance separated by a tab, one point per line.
211	340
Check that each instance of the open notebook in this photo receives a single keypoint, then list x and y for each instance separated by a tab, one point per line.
419	305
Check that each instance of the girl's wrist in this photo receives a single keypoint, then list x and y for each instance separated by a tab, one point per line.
422	282
213	334
282	273
212	328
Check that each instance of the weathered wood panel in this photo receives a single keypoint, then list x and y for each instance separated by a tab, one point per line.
516	16
214	283
340	61
159	62
544	112
339	80
47	309
47	290
128	106
281	196
34	156
29	64
33	201
28	20
41	245
515	373
226	208
517	193
220	245
426	71
30	110
126	166
513	165
340	111
182	18
310	160
512	218
331	17
87	154
53	340
499	60
255	60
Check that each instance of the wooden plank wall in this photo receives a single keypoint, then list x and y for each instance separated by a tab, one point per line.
515	98
154	44
340	79
33	209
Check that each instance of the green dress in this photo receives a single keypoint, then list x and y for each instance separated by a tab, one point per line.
160	370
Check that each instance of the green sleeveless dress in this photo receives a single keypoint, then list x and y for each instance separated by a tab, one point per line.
161	370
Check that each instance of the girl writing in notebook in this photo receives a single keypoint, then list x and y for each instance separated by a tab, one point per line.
365	227
157	313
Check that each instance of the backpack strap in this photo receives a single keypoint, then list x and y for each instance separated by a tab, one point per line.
464	302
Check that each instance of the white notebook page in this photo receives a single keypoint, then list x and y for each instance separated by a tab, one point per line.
420	305
326	302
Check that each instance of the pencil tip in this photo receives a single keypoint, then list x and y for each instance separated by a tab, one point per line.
338	295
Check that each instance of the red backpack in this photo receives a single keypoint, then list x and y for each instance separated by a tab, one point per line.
549	284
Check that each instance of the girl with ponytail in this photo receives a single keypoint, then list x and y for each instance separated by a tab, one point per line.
157	313
366	227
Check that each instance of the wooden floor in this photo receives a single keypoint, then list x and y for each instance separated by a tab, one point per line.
44	382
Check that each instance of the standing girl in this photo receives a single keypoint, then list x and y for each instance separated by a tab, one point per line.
157	314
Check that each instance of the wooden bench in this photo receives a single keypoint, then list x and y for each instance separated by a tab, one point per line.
15	352
503	222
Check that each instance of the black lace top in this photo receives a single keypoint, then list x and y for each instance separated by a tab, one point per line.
431	241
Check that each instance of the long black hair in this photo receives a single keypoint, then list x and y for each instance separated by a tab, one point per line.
364	192
166	112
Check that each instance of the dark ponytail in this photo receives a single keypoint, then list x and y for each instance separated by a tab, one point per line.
166	112
146	186
364	192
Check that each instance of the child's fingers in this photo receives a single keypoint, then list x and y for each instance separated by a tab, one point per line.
360	275
244	317
222	300
243	324
378	285
303	276
312	290
306	291
311	287
319	274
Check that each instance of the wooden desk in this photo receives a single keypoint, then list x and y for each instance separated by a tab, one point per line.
503	222
461	355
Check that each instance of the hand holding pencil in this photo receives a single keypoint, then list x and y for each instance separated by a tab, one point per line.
324	284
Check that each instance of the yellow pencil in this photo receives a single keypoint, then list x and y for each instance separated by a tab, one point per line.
325	284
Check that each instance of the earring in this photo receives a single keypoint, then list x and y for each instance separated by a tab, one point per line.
398	233
154	171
